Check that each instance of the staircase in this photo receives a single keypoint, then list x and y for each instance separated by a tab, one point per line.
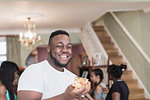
136	93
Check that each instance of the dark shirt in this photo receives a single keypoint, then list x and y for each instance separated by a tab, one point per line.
120	87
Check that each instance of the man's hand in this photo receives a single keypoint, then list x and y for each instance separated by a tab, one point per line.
82	98
72	93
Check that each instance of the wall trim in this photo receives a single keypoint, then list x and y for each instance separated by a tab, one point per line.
136	45
131	38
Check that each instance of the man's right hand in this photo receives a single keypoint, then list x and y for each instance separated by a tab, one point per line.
72	93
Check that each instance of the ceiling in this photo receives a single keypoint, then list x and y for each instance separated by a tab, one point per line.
56	15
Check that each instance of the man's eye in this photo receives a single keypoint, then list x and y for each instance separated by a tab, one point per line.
59	47
69	47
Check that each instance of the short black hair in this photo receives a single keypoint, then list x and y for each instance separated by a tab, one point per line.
58	32
116	70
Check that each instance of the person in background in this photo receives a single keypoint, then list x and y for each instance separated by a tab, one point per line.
21	69
119	89
97	77
49	79
8	80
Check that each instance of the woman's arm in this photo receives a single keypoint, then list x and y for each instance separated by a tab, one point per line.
3	93
115	96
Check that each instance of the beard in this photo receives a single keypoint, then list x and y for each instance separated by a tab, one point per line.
57	63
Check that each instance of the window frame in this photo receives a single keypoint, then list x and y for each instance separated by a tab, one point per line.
3	39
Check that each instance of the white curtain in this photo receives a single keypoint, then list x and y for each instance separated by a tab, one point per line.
13	50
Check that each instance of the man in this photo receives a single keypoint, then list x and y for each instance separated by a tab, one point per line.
49	79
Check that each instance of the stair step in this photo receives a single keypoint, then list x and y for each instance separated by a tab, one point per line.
139	99
129	81
127	75
113	54
127	72
118	57
135	96
127	78
135	91
102	34
108	45
109	51
133	85
99	28
117	60
105	40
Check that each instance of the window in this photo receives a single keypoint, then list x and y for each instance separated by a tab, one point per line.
2	49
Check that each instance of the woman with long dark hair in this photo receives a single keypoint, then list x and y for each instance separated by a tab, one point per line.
8	79
97	77
119	89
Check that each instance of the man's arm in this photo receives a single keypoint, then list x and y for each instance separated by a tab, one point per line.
32	95
69	94
28	95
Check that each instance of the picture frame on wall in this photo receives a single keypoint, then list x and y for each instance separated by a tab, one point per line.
85	74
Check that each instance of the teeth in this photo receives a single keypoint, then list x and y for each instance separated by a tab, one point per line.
63	56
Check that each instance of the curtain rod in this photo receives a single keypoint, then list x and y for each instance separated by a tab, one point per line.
9	35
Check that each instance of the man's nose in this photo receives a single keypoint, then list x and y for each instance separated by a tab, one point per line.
64	49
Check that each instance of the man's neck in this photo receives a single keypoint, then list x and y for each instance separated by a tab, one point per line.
54	66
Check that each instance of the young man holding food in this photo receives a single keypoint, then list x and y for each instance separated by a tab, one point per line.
49	79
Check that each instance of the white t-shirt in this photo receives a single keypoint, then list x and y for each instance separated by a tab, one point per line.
42	77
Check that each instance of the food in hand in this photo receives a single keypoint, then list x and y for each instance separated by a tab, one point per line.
79	81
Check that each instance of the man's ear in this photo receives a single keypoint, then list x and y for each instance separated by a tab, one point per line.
48	48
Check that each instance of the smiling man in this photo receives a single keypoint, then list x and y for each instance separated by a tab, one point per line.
49	79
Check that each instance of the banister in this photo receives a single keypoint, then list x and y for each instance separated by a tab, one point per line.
93	46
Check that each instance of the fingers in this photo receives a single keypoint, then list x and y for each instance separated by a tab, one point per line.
82	98
72	93
81	87
105	90
71	87
88	87
85	89
80	91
